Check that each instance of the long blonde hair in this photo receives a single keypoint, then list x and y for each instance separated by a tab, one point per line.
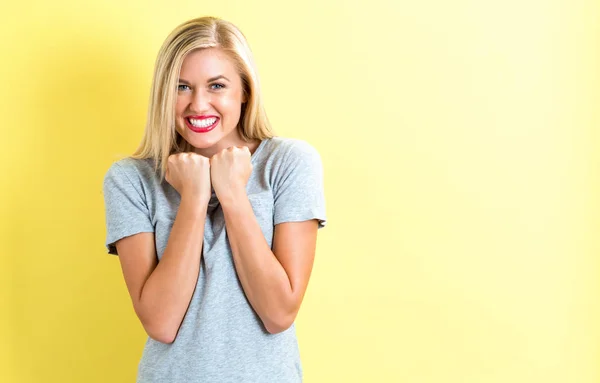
160	137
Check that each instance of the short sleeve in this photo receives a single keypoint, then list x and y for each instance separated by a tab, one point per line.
298	191
126	210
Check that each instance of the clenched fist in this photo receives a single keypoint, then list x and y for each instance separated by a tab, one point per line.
189	174
230	170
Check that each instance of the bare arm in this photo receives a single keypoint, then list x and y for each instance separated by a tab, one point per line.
161	291
274	281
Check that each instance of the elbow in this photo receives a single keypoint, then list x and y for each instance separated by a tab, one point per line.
160	332
161	335
280	323
161	329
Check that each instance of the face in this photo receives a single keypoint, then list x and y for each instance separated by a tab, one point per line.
209	101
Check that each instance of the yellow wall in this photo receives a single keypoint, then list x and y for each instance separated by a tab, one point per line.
460	144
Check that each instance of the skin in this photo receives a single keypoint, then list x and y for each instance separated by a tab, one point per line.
274	280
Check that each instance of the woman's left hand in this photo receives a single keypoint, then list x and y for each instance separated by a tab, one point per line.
230	170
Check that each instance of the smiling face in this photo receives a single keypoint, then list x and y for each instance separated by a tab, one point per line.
209	101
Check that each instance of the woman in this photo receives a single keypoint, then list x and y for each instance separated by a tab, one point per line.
214	218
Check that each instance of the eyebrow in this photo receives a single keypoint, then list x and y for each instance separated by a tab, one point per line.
209	80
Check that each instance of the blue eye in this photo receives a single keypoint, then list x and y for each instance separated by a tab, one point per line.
218	85
182	87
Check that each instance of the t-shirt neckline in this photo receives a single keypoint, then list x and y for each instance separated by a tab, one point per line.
257	151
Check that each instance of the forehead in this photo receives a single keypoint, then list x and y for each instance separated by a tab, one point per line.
207	63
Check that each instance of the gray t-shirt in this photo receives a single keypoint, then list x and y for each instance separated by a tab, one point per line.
221	338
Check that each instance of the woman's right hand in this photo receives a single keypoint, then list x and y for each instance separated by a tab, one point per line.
189	174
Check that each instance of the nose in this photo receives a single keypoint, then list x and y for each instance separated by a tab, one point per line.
200	101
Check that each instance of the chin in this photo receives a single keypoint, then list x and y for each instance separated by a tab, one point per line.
201	142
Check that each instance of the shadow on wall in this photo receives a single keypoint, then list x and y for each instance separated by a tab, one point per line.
70	312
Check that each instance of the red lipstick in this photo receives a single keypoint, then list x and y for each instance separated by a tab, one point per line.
197	129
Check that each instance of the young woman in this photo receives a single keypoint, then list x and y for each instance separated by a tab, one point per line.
214	218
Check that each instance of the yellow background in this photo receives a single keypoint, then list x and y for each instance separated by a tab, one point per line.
460	145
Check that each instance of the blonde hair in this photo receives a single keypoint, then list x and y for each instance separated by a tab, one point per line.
160	137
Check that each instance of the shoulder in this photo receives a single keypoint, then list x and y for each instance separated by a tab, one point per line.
130	170
283	149
289	160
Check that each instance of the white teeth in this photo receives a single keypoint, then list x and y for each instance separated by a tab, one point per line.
203	123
